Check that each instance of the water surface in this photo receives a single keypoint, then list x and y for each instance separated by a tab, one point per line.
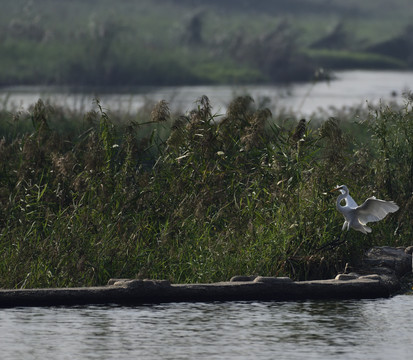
367	329
350	88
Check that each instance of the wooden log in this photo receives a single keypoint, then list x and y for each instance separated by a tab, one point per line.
384	267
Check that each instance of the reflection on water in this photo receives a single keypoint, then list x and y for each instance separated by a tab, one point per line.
375	329
351	88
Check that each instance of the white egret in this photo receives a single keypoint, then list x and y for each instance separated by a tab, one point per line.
357	217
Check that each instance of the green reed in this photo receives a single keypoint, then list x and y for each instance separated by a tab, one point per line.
193	197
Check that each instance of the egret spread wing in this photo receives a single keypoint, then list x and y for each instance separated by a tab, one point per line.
374	210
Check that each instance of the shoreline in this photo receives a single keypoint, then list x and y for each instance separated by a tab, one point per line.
380	276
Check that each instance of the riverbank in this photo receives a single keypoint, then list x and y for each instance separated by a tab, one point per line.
382	269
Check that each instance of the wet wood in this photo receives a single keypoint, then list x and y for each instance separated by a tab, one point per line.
382	270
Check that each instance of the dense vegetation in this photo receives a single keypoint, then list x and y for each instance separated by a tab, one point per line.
168	42
193	198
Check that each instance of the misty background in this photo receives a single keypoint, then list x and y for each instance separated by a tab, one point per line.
187	42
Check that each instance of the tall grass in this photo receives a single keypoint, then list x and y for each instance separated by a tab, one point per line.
193	199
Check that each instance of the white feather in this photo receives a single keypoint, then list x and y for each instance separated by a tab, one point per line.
357	217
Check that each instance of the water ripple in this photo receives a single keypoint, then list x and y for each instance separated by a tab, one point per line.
375	329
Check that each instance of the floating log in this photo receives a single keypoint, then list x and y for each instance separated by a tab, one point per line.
383	268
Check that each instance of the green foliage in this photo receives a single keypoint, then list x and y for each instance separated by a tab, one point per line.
392	136
198	199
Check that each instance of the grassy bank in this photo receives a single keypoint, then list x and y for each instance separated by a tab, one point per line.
186	198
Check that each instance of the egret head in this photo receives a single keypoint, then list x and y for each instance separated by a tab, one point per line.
342	188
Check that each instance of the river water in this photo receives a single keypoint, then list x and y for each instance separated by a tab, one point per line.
350	88
366	329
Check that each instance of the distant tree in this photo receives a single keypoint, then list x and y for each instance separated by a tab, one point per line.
400	46
337	39
193	30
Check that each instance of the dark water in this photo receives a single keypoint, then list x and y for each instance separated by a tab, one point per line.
368	329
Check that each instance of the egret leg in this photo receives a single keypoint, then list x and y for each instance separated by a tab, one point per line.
335	243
